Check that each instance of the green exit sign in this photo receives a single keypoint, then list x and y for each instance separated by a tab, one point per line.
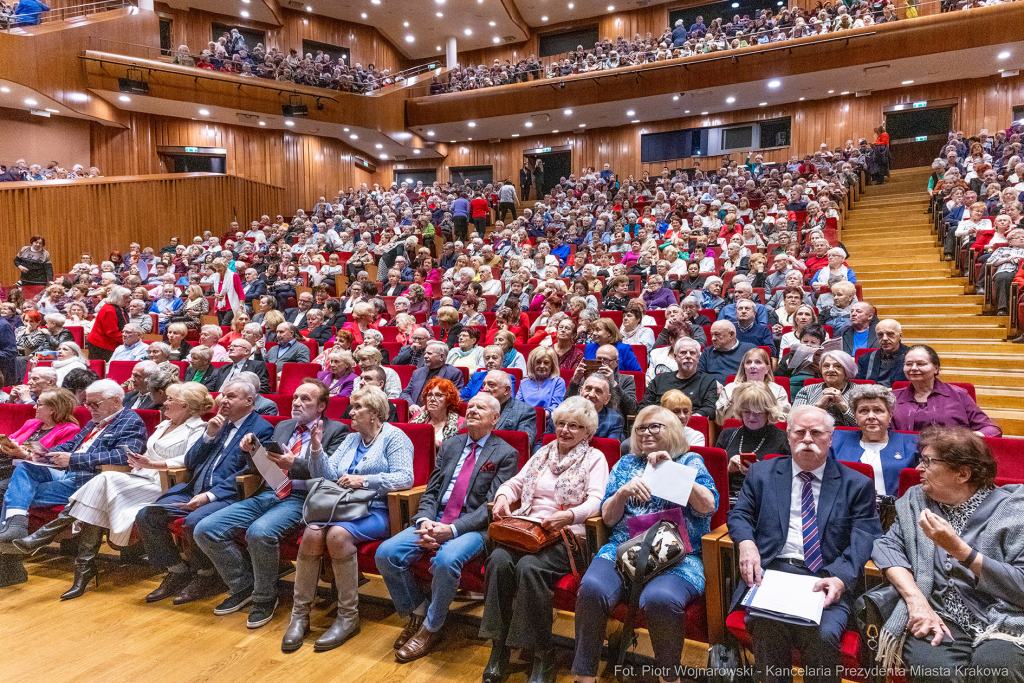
920	138
920	105
546	149
191	149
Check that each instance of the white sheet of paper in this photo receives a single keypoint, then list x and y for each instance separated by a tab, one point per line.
271	473
42	464
535	520
671	481
789	594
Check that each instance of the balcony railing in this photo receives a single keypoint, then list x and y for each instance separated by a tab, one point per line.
72	13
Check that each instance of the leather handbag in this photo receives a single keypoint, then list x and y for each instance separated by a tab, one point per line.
523	535
870	612
327	503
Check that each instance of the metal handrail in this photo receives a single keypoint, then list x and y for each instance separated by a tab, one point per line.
70	13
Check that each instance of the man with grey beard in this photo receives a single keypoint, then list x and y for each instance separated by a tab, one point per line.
808	515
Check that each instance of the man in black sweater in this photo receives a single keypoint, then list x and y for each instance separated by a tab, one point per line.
700	388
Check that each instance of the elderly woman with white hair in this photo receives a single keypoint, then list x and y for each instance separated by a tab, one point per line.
562	485
711	295
835	392
657	437
69	357
110	320
834	272
56	333
367	357
160	353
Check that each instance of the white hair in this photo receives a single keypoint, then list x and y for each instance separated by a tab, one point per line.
492	403
117	295
55	318
107	388
248	382
438	343
797	411
47	372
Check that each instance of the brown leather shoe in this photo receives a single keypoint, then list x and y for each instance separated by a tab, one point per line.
200	588
411	626
173	583
421	644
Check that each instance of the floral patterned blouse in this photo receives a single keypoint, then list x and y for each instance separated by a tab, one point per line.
697	525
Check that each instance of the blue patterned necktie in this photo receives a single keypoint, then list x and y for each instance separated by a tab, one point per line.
812	544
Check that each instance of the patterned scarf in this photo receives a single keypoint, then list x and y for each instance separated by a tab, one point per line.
571	485
451	427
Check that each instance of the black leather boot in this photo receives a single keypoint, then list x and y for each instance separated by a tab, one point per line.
44	535
545	667
496	670
89	541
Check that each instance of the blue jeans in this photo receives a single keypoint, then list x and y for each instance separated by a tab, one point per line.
35	485
396	555
265	519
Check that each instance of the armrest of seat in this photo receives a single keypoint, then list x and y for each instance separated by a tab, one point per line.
402	505
247	485
172	476
115	468
1014	304
597	534
715	595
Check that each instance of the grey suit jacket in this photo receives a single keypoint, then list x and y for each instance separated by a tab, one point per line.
254	366
414	388
296	353
497	463
334	434
517	416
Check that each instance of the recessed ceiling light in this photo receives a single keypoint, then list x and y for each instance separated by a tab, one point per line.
802	99
309	8
687	111
762	104
353	137
383	156
263	123
245	15
125	98
415	151
735	5
439	15
611	8
468	31
410	39
430	133
496	39
845	92
571	5
630	113
78	97
438	48
472	124
544	18
774	83
528	124
583	125
363	15
6	89
440	2
703	113
379	146
246	2
469	138
515	135
405	24
730	100
289	123
204	112
567	112
453	142
555	130
345	129
1005	54
635	121
907	82
53	111
831	92
675	98
491	23
375	2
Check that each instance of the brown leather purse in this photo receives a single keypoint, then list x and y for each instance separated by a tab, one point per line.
521	534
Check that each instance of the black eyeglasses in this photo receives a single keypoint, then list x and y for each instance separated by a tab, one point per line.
653	428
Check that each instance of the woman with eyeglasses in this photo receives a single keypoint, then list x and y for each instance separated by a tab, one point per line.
441	405
657	436
954	556
562	484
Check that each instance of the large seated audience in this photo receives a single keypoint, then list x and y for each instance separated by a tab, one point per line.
22	170
528	349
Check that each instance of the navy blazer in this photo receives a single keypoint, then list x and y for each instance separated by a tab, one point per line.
847	522
900	452
414	388
213	469
254	290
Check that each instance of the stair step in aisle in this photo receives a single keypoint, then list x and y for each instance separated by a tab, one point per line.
897	259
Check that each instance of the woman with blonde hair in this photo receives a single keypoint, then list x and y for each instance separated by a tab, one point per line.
755	406
196	306
543	385
53	424
363	316
405	324
111	500
227	291
367	357
756	366
603	331
682	407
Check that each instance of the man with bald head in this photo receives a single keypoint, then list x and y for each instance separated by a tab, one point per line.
723	357
743	291
238	355
885	364
861	333
700	388
515	415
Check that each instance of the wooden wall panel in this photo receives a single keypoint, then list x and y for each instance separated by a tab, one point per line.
106	214
982	103
307	167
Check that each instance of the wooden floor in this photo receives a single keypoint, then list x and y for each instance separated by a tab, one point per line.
110	635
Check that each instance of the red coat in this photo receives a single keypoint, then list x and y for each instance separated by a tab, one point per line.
1019	277
478	208
105	333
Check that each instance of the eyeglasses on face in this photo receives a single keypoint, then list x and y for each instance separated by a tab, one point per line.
562	424
927	460
654	428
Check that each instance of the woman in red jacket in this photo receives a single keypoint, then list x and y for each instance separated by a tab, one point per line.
111	317
478	210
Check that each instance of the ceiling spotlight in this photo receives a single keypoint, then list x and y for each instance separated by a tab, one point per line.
555	130
544	18
263	123
375	2
415	151
309	8
496	39
345	129
289	123
125	98
204	112
611	8
845	92
675	98
802	99
453	142
75	96
405	24
703	113
774	83
1005	54
363	15
763	104
571	5
468	31
245	15
583	125
383	156
439	15
567	112
379	146
438	48
528	124
472	124
515	135
635	121
735	5
907	82
630	113
470	139
830	92
687	111
430	133
6	89
53	111
730	100
491	23
245	2
353	137
410	38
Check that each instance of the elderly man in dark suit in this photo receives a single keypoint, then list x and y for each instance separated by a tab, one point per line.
807	515
884	365
269	515
238	353
433	366
252	287
451	521
515	416
297	316
214	461
412	353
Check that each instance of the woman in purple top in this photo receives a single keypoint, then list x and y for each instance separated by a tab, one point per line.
656	295
340	378
929	401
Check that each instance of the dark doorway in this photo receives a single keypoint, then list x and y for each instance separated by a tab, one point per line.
557	165
252	36
916	134
196	163
413	176
335	52
460	174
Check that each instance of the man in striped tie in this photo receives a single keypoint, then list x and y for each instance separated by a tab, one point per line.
809	515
